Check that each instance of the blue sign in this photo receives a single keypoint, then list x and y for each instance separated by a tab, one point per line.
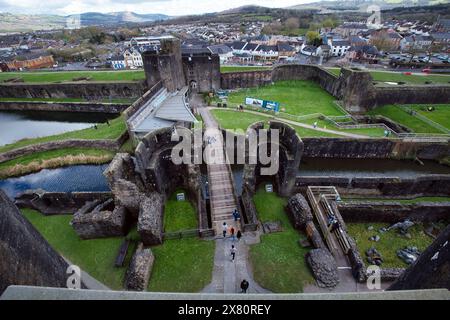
265	104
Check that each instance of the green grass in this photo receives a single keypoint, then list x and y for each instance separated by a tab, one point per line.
402	117
68	76
179	215
231	119
96	256
116	128
183	265
226	69
405	201
389	243
124	101
440	114
278	261
299	97
293	33
371	132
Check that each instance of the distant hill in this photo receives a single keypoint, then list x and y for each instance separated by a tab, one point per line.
23	23
361	5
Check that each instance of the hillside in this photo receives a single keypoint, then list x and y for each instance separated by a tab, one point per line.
22	23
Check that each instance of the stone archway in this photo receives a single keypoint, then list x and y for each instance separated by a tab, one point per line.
194	86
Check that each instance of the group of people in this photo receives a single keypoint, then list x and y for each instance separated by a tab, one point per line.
235	235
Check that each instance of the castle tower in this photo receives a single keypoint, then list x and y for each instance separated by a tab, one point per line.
165	65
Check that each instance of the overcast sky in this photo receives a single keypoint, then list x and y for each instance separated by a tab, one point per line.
169	7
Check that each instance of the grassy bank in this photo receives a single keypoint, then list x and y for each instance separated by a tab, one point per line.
104	131
231	119
96	256
68	76
299	97
389	243
441	115
278	261
53	159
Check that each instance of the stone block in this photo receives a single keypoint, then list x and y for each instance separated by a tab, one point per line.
140	269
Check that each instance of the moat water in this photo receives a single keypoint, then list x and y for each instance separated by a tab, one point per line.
67	179
369	168
18	125
356	168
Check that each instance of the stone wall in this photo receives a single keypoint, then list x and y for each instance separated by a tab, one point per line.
140	269
100	219
150	221
354	88
374	148
26	257
165	65
113	145
86	90
431	269
421	186
63	106
406	94
392	211
203	70
55	203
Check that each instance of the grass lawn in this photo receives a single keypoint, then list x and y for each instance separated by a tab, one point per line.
179	215
116	128
440	114
96	256
299	97
225	69
124	101
59	76
389	243
182	265
278	261
402	117
231	119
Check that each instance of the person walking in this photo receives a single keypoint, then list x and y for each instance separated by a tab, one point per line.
244	286
233	252
224	228
236	215
239	235
232	233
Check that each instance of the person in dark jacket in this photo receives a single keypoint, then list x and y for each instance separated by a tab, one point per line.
244	286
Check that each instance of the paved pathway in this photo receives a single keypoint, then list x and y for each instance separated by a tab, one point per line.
227	275
303	125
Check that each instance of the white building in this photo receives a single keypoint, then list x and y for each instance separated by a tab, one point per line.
133	59
339	48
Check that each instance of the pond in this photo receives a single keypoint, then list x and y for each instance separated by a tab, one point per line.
18	125
67	179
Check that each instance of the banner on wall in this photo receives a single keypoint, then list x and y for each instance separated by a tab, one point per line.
265	104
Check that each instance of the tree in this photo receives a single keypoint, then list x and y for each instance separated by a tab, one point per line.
312	37
292	24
